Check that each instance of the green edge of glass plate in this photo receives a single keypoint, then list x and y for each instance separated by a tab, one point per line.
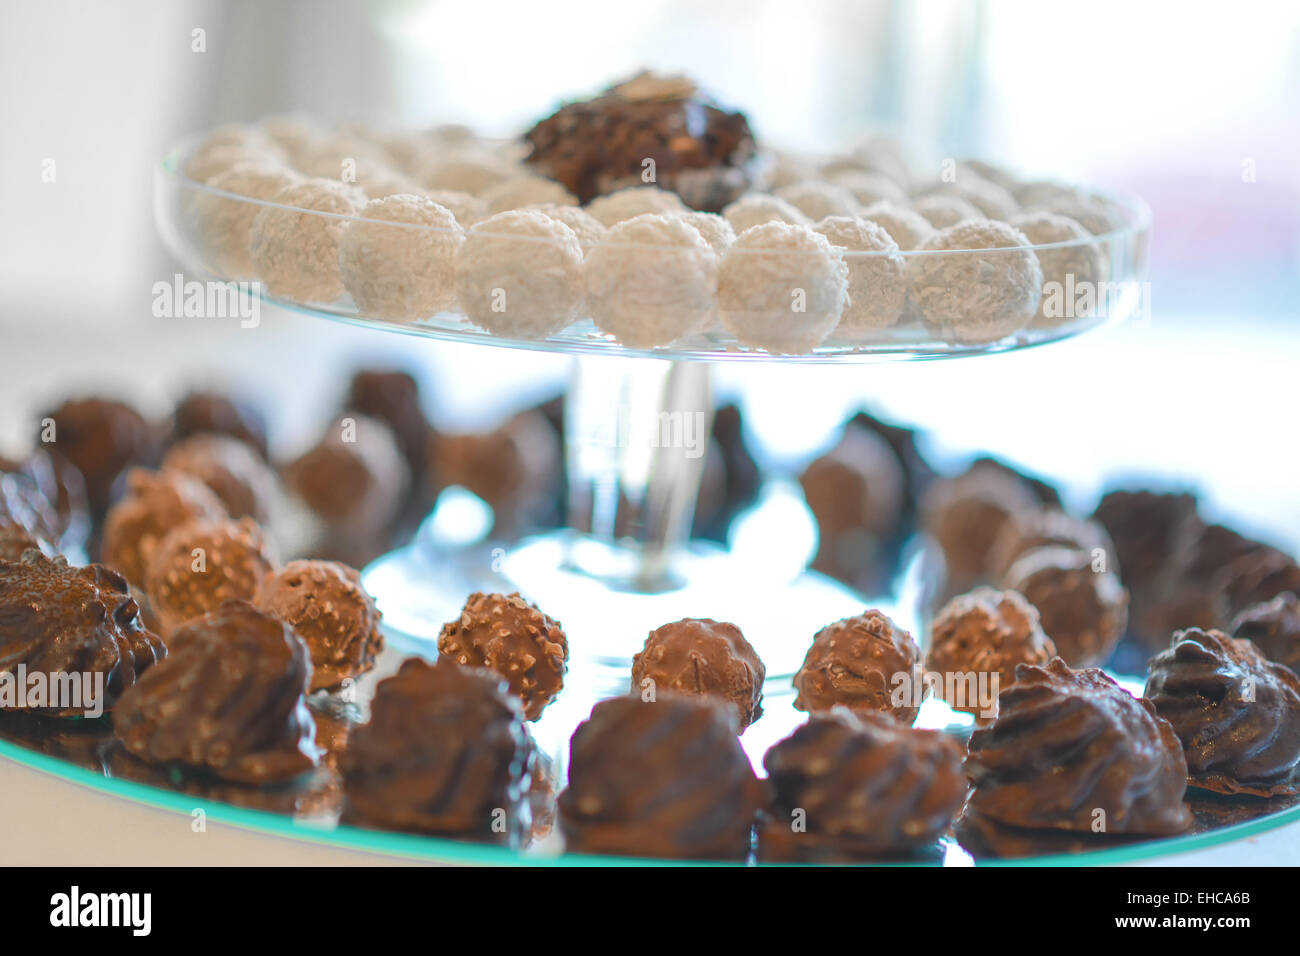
436	850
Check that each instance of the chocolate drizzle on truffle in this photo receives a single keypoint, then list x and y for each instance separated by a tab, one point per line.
857	663
703	657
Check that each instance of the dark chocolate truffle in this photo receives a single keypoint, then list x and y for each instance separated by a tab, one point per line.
102	439
846	786
227	701
1144	525
1273	627
662	778
394	399
703	657
155	503
445	752
207	413
1072	750
59	620
202	563
328	608
244	482
1236	712
966	514
355	478
1083	611
509	635
984	632
1257	576
902	440
864	663
1049	526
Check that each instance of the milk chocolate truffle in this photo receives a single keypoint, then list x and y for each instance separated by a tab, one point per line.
1273	627
966	514
985	632
1084	611
703	657
233	470
1144	526
864	663
1259	575
860	786
328	608
661	778
59	620
1236	712
102	439
227	701
509	635
1049	526
207	413
202	563
355	478
393	397
155	503
445	752
1072	750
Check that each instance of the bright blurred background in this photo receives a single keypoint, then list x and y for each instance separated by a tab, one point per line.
1191	105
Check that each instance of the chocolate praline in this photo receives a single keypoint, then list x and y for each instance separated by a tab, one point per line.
102	438
966	514
355	478
208	413
1259	575
863	663
850	786
155	502
59	620
662	778
1072	750
1236	712
1144	525
1273	627
705	658
394	398
511	636
16	538
444	752
1050	526
244	482
227	701
330	610
1084	611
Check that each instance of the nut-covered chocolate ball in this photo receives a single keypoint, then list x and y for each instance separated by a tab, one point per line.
702	657
328	608
207	413
445	752
1236	712
509	635
244	482
864	663
155	503
355	478
661	778
1273	627
859	786
1072	750
985	632
102	439
1049	526
1084	611
202	563
227	701
966	514
59	620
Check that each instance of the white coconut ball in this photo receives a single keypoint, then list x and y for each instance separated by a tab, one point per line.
786	169
209	161
586	227
905	226
471	171
295	251
527	190
1035	193
782	287
869	188
652	281
717	232
350	159
817	199
1076	266
467	209
222	224
877	288
981	284
387	181
991	172
519	274
942	210
297	136
755	209
991	200
1093	213
632	202
394	270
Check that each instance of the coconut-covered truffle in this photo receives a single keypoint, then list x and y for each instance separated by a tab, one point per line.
990	199
529	190
877	289
445	752
1273	627
859	786
942	210
511	636
966	514
661	778
154	504
984	632
397	259
868	188
202	563
330	610
102	439
1049	526
981	285
467	170
1236	712
756	209
209	413
819	200
222	223
468	209
905	226
1072	750
782	288
585	226
651	281
235	473
635	201
57	620
227	147
865	663
702	657
1095	214
1068	269
1083	609
295	250
519	274
228	701
717	232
